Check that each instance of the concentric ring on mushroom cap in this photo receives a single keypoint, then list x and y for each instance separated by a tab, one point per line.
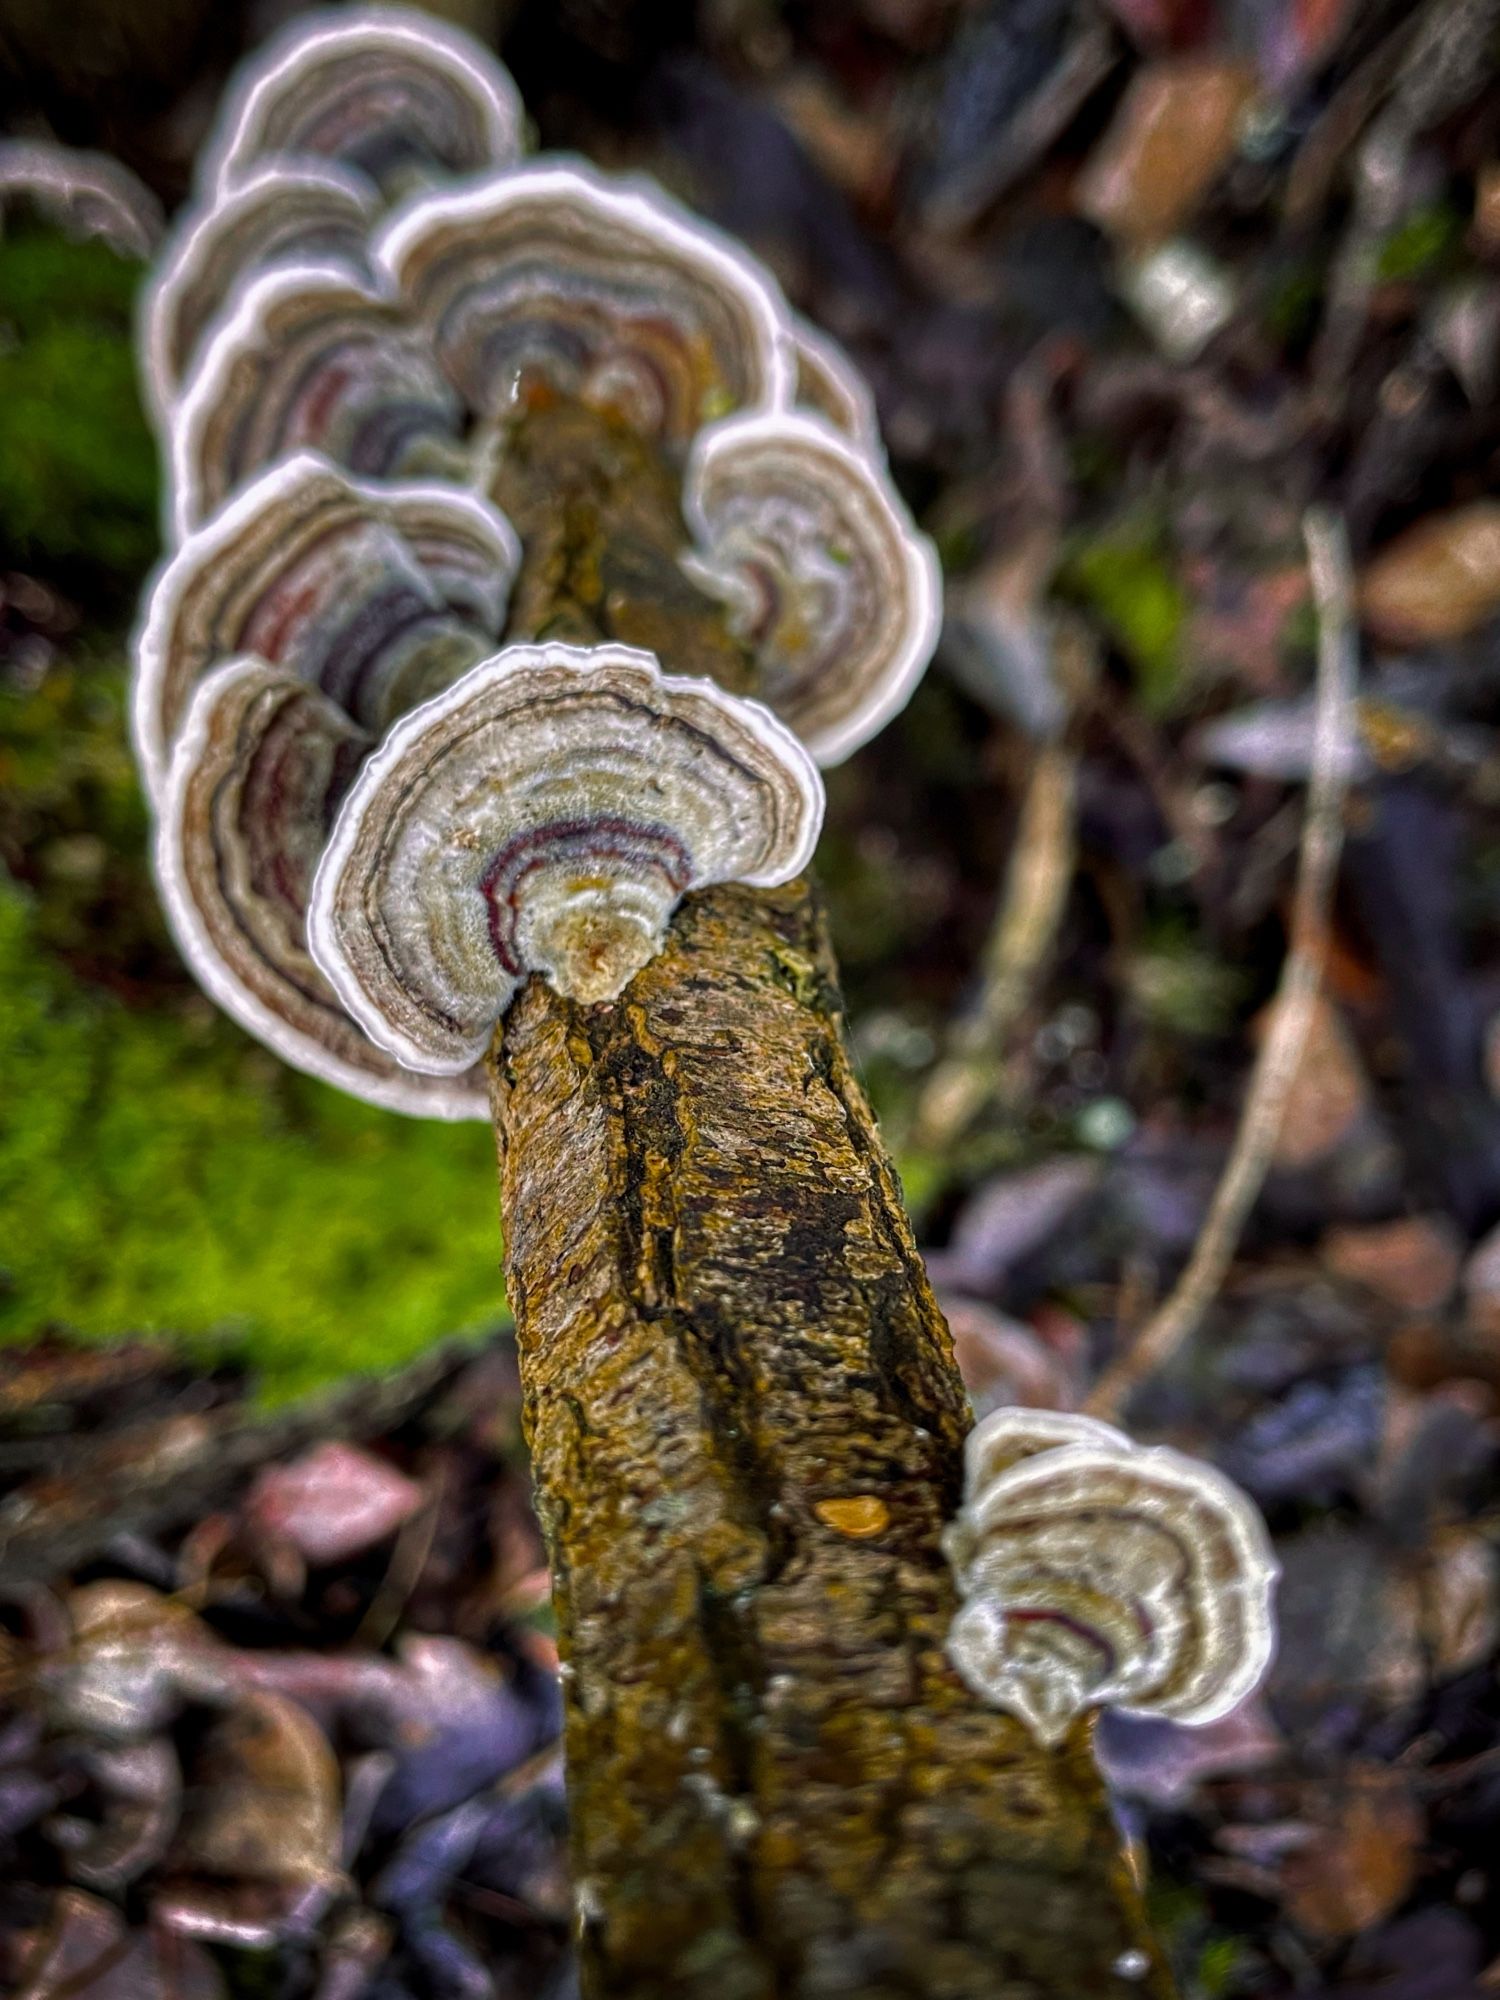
1007	1436
329	576
309	359
1098	1572
828	579
545	813
384	89
611	291
306	212
258	770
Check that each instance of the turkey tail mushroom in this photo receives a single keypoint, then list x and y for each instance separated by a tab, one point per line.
310	213
546	814
610	293
311	358
258	771
388	91
827	578
1097	1573
378	594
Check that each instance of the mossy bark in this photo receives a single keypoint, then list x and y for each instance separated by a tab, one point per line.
746	1425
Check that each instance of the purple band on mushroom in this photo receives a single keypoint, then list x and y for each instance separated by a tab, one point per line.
380	594
1094	1572
545	814
311	359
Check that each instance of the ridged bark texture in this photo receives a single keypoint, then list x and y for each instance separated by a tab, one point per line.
746	1425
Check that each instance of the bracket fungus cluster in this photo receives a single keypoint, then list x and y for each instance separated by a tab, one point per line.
371	824
412	770
1095	1572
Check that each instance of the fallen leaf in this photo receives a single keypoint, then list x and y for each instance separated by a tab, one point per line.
1329	1092
333	1502
264	1799
1438	580
1009	1218
1362	1859
1147	1757
1412	1263
1167	143
1459	1618
1004	1361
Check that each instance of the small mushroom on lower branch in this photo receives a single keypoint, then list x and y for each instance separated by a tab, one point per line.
1097	1573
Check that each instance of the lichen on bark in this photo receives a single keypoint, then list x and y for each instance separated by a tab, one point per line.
746	1424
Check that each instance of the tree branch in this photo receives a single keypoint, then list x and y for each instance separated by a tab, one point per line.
746	1425
1296	994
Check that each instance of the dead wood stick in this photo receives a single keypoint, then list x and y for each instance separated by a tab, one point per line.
746	1426
1296	994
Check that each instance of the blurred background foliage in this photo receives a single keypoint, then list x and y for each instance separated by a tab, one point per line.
1135	282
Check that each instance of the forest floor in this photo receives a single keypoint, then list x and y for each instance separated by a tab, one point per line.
1137	283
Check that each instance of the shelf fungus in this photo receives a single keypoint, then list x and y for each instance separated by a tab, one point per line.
552	276
256	777
831	387
545	814
311	358
280	215
378	594
826	577
388	91
1096	1573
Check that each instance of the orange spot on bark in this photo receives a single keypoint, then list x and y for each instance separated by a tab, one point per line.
861	1515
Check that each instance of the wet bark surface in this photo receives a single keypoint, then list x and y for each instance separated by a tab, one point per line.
746	1426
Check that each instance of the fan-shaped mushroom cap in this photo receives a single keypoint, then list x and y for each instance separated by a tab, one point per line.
84	194
378	594
826	576
610	293
255	779
386	90
307	213
829	384
1094	1572
546	813
310	359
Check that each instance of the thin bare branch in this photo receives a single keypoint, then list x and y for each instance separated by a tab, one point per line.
970	1073
1296	995
977	1064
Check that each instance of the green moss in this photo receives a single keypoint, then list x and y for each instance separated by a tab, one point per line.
1178	985
1125	578
161	1173
1218	1964
1294	303
77	464
1426	239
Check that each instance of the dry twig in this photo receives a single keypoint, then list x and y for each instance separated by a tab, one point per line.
972	1072
1296	994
